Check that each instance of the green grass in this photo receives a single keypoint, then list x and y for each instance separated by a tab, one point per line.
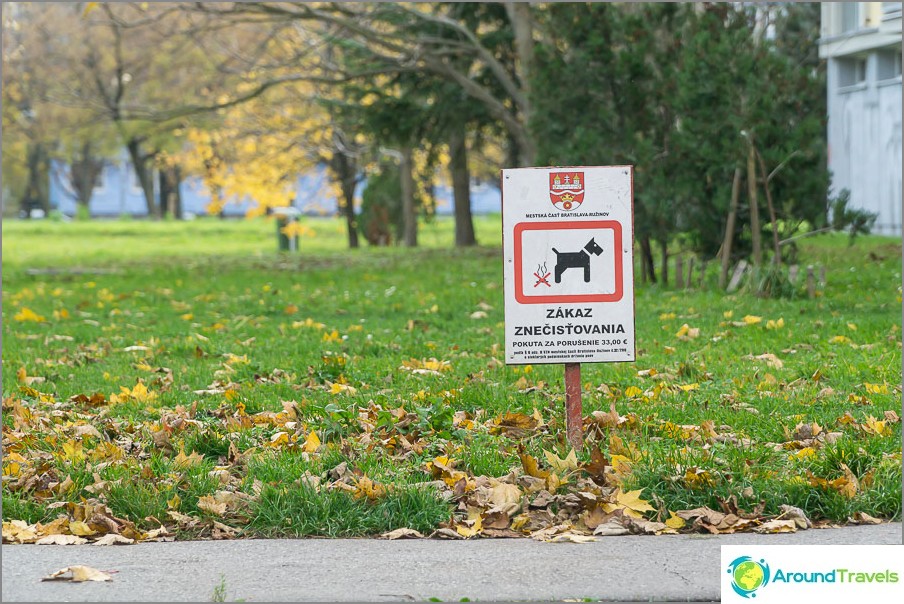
213	303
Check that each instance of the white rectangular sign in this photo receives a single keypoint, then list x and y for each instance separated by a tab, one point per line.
568	238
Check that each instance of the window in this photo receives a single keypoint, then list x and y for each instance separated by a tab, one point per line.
889	64
100	183
891	10
851	72
850	16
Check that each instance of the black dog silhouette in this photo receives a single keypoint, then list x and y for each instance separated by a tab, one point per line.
579	259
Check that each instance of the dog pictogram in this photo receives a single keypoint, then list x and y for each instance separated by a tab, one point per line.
579	259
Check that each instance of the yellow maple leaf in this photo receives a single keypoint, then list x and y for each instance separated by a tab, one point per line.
805	453
689	387
872	388
12	463
80	528
337	388
72	451
562	465
752	319
182	461
634	505
311	443
280	439
26	314
840	340
675	521
772	324
632	391
473	526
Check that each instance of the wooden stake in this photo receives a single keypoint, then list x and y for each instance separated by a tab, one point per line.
729	228
811	283
573	412
690	272
679	272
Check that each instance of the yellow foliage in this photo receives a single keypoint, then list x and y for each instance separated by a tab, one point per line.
26	314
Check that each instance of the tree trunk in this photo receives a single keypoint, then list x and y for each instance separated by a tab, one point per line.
36	194
521	19
169	178
409	212
140	163
646	258
664	266
461	188
83	174
777	258
755	232
344	168
729	228
177	209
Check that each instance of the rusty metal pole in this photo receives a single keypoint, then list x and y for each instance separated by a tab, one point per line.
573	428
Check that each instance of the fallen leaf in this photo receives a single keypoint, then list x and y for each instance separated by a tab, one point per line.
789	512
183	461
61	540
77	574
562	465
777	526
113	539
77	527
402	533
612	528
211	505
532	467
311	443
675	521
864	518
570	537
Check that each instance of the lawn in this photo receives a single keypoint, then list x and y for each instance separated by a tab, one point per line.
184	379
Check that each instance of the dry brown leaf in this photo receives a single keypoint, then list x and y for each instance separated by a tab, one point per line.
789	512
77	574
18	531
61	540
864	518
211	505
570	537
777	526
402	533
611	528
111	539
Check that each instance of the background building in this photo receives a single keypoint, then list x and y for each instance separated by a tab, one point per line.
118	193
862	44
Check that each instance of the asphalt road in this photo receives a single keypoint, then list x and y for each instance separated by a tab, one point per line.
675	568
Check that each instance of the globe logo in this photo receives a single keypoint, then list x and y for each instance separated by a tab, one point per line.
748	575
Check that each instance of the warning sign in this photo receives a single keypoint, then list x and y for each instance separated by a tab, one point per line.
569	278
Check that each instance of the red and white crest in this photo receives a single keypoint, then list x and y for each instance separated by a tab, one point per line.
566	189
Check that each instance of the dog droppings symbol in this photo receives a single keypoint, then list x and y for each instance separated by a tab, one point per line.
579	259
542	275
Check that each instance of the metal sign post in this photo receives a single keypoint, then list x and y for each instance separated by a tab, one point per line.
574	431
568	271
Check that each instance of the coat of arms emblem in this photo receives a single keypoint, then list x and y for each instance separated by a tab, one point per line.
566	189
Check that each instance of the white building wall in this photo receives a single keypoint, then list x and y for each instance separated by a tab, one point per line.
864	131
